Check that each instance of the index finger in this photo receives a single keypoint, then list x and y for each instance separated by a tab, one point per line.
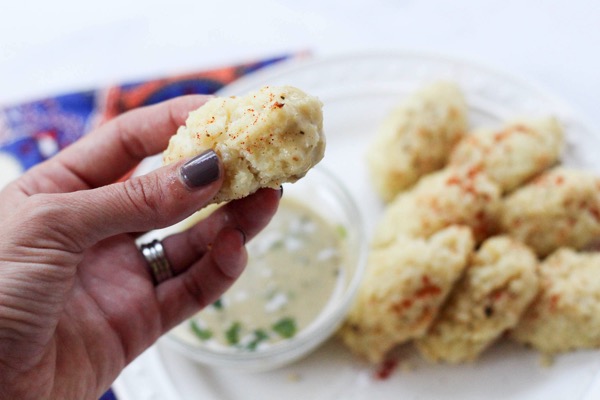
113	149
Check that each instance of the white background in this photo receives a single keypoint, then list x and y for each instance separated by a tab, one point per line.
61	45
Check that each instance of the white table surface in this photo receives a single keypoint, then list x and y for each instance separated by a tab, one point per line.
56	46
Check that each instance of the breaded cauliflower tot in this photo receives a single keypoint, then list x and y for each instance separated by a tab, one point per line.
416	138
403	289
266	138
566	313
495	290
513	154
452	196
559	208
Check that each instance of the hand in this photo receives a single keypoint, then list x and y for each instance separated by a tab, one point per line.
77	302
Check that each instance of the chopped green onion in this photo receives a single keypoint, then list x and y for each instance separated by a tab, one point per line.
218	304
233	333
202	334
285	327
259	336
278	244
342	231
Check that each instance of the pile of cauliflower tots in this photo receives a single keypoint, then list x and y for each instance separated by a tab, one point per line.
484	234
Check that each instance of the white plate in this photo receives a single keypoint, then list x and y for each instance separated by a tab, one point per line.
357	91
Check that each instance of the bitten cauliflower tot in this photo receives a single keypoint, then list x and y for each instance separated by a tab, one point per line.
404	286
416	138
266	138
566	313
513	154
452	196
497	286
559	208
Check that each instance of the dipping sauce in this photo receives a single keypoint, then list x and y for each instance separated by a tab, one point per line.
295	269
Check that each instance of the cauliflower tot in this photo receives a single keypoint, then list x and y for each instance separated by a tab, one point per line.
497	286
452	196
513	154
566	314
266	138
559	208
416	138
405	285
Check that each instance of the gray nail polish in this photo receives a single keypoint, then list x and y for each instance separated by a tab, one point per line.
201	170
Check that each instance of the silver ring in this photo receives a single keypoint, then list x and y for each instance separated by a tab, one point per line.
154	253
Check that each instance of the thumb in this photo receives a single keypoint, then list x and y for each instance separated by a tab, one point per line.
156	200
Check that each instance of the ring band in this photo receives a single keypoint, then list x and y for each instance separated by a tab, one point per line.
154	253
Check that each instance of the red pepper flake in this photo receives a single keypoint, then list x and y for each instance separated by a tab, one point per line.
428	289
453	180
554	302
385	369
402	306
594	211
560	180
497	294
277	105
473	140
520	128
500	136
474	171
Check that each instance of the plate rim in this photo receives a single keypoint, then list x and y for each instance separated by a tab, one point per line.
306	61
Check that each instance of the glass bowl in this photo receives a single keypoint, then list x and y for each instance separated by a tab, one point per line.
319	193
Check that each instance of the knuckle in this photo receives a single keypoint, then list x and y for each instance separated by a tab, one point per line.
144	194
196	292
130	140
41	211
46	208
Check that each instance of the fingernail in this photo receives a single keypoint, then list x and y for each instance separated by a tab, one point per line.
201	170
244	237
280	191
